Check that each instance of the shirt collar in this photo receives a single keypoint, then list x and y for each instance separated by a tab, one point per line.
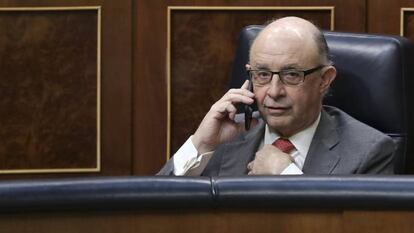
301	140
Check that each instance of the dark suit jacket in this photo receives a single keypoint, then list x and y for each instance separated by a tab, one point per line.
341	145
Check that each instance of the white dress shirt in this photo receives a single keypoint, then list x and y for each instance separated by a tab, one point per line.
187	161
301	141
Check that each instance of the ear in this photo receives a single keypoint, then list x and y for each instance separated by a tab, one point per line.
328	76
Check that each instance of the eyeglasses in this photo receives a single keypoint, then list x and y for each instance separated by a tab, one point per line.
291	77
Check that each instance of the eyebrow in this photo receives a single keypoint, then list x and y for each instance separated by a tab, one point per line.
290	66
284	67
262	67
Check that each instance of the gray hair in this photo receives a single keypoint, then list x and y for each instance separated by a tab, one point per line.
322	47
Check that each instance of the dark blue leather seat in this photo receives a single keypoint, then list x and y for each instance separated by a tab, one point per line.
105	193
177	193
340	192
374	82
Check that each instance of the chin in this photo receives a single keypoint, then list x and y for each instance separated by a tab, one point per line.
278	123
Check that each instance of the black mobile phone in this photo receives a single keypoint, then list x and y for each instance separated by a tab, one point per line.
248	111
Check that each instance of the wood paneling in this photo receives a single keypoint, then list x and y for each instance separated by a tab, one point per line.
149	87
385	17
179	221
407	23
182	221
134	101
378	221
115	86
52	103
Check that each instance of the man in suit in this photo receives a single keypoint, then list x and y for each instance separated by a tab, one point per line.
290	72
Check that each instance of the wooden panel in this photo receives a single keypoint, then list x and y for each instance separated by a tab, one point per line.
384	16
182	221
50	87
387	17
115	79
179	221
378	221
209	53
407	23
149	87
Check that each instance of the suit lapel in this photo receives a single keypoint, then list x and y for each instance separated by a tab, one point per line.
321	159
240	152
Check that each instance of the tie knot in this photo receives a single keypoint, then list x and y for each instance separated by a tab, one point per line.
283	144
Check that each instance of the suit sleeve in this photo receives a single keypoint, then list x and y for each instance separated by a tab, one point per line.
379	158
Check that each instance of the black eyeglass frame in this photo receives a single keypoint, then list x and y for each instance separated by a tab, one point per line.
305	72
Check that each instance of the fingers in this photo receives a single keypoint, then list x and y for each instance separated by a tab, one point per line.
239	96
250	168
232	111
219	125
245	85
269	161
241	91
226	105
226	108
244	89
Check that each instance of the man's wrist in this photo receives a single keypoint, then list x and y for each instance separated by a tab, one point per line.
200	147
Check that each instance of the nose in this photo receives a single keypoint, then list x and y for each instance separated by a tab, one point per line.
276	87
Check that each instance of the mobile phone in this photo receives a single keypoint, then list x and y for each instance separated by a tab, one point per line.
248	110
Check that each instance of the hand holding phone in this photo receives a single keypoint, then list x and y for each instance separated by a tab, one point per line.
219	125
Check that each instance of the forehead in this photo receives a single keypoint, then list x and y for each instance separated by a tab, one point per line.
277	47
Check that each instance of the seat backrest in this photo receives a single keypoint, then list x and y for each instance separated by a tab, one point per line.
372	83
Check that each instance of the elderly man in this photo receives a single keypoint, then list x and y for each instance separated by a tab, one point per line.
290	72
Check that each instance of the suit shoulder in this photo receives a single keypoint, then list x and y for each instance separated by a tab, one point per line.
351	127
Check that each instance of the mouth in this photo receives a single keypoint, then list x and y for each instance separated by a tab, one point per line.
277	110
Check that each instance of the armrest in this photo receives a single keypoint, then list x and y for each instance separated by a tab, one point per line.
138	193
105	193
341	192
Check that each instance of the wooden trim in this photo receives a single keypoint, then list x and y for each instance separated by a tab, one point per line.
98	79
402	13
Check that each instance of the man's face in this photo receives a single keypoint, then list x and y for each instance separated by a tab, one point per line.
288	109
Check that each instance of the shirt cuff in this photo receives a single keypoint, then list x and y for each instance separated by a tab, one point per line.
183	156
292	169
188	162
